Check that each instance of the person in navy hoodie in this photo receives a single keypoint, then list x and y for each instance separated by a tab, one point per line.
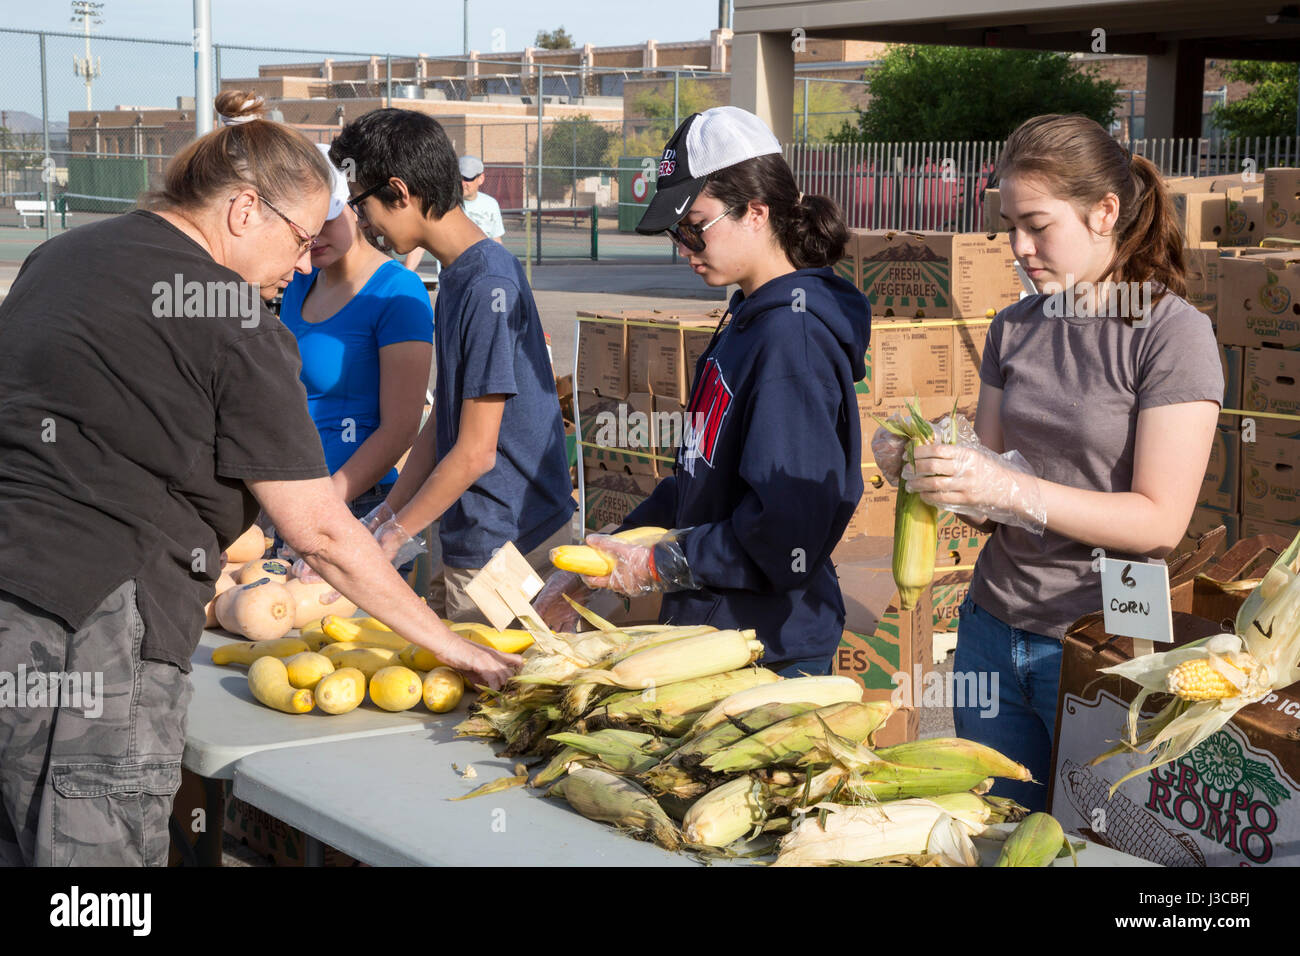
769	471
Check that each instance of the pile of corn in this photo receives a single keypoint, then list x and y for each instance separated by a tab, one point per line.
672	734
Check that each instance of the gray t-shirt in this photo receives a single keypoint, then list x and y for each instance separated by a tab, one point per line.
1072	388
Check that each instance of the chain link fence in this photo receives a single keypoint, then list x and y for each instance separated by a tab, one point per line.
570	150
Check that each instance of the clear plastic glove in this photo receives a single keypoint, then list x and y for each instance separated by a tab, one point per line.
399	547
558	614
888	450
979	483
643	569
378	515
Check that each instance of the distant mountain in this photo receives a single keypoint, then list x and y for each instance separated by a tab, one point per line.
18	121
906	252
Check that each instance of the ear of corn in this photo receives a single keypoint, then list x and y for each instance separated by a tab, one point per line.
726	813
582	559
603	796
691	696
700	656
735	728
789	740
819	691
1201	680
858	834
954	753
1036	841
916	540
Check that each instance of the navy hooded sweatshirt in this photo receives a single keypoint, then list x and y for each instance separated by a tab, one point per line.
770	469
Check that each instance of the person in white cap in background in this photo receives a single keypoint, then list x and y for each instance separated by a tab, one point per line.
364	327
482	209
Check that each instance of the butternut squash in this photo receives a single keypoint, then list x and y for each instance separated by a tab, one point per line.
307	605
249	546
261	611
224	583
273	568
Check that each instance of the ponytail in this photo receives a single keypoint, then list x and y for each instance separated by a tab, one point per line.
1150	246
810	229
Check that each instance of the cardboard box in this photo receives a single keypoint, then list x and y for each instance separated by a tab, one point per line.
846	267
1270	479
273	838
1223	473
993	211
909	361
616	433
1255	526
564	391
959	543
1203	278
1259	301
657	354
1271	383
602	354
949	591
1233	359
880	642
1245	215
668	428
611	496
1203	216
1282	202
936	275
1233	801
968	340
1206	519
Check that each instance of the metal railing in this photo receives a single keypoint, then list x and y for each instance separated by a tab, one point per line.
940	186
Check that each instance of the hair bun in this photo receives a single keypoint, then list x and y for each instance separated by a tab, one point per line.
239	106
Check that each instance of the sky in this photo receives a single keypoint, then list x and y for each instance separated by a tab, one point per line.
151	75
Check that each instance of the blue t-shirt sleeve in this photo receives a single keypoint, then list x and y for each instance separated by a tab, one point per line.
491	324
407	315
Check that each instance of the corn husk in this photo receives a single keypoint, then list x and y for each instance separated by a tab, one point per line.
1266	643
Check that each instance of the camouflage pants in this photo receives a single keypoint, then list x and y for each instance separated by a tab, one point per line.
86	778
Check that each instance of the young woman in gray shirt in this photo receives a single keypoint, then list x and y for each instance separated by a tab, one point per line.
1097	408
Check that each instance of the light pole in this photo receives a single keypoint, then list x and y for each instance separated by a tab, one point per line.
86	67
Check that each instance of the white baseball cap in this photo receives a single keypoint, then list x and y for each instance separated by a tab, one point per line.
703	144
338	185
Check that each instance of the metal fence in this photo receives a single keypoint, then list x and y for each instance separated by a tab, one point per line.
577	144
940	186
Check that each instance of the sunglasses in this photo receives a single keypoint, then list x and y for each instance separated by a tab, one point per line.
356	201
690	236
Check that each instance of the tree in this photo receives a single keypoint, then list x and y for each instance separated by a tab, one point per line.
827	102
554	40
1269	109
574	145
938	93
649	114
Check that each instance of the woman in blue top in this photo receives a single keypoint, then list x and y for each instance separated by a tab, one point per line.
365	332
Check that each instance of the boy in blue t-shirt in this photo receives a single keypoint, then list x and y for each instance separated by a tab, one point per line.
490	465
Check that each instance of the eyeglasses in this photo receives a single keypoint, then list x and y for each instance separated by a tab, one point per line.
305	241
690	236
356	201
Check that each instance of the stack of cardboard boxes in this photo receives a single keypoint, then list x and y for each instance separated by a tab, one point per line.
932	296
1252	295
